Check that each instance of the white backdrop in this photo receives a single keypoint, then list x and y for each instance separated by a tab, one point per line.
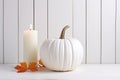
96	23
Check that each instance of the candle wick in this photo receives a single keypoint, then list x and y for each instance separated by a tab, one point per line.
31	27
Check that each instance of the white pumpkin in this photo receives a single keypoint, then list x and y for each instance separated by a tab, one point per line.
61	54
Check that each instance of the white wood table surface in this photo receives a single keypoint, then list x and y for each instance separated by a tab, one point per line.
84	72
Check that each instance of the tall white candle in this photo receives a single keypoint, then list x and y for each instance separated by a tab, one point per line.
30	45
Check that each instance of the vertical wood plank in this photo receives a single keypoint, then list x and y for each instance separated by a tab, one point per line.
41	20
10	31
25	19
93	31
118	32
79	22
59	15
1	31
108	31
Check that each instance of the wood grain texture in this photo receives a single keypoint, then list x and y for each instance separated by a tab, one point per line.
25	19
10	31
79	22
59	15
108	31
118	32
93	31
1	31
41	20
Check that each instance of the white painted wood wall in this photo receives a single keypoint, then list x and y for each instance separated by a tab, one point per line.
96	23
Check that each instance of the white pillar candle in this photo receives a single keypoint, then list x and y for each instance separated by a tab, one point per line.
30	45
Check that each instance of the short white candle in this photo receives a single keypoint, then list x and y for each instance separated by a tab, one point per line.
30	45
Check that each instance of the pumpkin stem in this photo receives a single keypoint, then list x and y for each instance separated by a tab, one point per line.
62	35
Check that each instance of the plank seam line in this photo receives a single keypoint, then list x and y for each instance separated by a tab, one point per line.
47	19
115	26
86	32
34	27
3	35
73	18
101	32
18	32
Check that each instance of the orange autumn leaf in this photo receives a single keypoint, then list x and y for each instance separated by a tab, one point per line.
24	64
33	66
41	63
17	67
22	67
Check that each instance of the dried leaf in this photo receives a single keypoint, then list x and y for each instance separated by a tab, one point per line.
33	66
41	63
22	67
